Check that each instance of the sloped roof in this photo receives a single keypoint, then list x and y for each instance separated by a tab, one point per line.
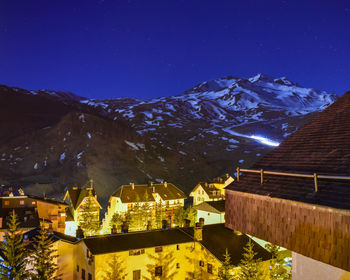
135	240
167	191
209	188
77	195
216	238
322	146
55	236
48	200
211	206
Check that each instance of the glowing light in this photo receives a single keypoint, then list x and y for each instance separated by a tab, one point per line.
265	140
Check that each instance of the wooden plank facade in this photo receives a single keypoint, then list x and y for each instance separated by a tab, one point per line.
318	232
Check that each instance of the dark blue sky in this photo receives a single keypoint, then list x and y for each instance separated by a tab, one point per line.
111	48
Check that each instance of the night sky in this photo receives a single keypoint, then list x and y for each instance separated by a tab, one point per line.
146	49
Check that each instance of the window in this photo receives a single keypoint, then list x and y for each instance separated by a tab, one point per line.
210	268
21	202
158	249
136	252
177	247
7	203
178	265
77	268
136	275
159	271
201	263
33	202
83	274
89	276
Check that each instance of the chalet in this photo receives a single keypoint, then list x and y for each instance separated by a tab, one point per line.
298	196
213	191
212	212
31	210
77	199
183	253
126	197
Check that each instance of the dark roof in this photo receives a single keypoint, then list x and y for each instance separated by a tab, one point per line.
48	200
210	189
5	191
167	191
216	238
77	195
69	215
135	240
217	206
27	217
55	236
322	146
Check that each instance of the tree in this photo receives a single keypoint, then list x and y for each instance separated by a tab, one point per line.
159	214
89	222
249	265
191	214
43	257
277	270
117	220
115	270
225	271
179	216
163	264
13	267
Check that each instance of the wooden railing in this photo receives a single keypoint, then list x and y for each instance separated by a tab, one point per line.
315	176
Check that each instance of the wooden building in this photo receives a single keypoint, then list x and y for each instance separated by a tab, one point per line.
298	196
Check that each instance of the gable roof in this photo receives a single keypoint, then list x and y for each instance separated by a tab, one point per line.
55	236
27	217
167	191
209	188
217	206
322	146
135	240
77	195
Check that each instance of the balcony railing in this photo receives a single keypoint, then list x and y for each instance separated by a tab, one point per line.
315	176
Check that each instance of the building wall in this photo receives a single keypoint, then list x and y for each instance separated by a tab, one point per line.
321	233
307	268
199	195
210	218
187	258
55	213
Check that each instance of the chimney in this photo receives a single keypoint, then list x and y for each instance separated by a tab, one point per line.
165	184
154	189
187	223
132	186
198	232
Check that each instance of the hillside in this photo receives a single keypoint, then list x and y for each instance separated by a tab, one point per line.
50	140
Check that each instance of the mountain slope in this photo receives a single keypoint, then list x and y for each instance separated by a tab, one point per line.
50	140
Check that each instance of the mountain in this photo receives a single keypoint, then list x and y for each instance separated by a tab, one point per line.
50	140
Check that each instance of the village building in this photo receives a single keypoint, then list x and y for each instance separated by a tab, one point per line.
212	191
212	212
124	200
72	258
77	199
32	211
184	253
298	196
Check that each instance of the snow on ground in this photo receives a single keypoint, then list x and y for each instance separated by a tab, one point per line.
132	145
62	156
89	135
36	166
80	154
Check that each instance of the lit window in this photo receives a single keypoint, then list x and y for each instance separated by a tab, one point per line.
159	271
21	202
7	203
33	202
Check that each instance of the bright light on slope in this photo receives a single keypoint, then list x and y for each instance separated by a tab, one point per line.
265	141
